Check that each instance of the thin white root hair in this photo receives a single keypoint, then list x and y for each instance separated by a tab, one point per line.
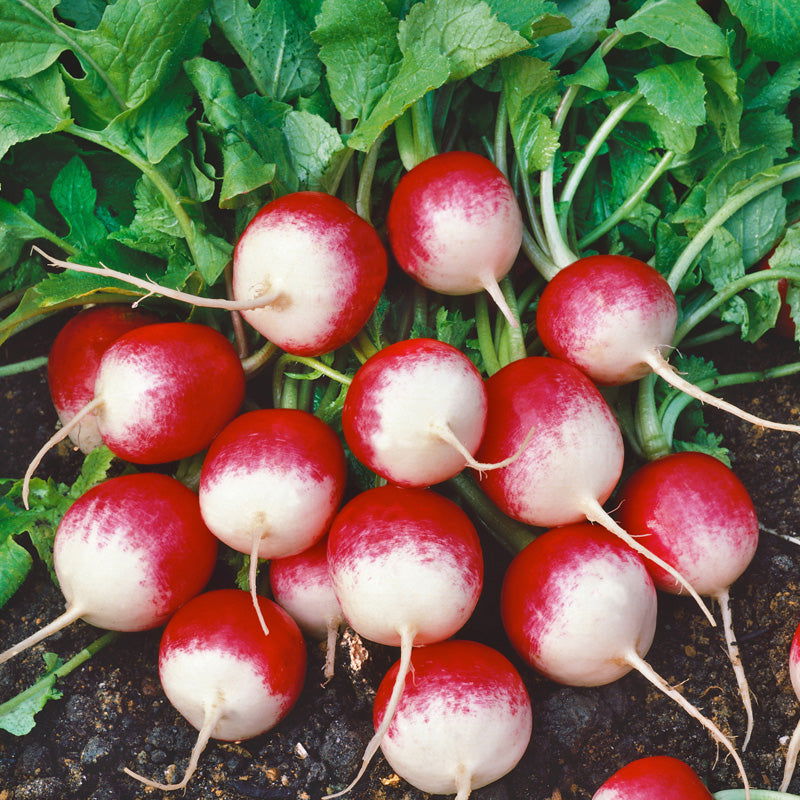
61	621
791	758
444	432
332	635
252	577
494	291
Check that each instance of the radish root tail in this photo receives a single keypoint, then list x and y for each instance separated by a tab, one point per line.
61	621
406	647
330	647
252	577
444	432
463	783
665	370
494	291
791	758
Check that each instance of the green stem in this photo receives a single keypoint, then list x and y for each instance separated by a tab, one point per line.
722	332
648	426
516	337
589	152
534	244
500	135
673	406
62	671
315	364
365	344
255	361
425	144
484	329
11	299
528	293
720	298
364	192
756	187
341	168
404	135
348	177
513	535
631	203
289	393
23	366
420	307
305	394
627	423
755	794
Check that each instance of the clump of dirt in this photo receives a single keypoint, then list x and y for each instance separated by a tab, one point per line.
113	713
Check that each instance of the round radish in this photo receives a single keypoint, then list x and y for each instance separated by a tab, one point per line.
407	567
75	358
162	393
326	265
574	459
654	778
455	225
301	584
697	516
464	719
271	483
794	742
127	554
415	413
571	583
614	317
223	675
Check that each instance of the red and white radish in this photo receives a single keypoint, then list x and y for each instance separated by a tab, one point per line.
162	393
794	742
127	554
271	484
614	317
696	515
570	584
223	675
464	719
301	584
307	273
75	359
407	567
415	413
574	460
455	226
654	778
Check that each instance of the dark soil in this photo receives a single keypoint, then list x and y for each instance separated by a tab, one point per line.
113	713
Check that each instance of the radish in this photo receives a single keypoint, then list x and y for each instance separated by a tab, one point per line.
784	324
307	273
407	567
75	358
696	515
794	742
415	413
455	226
301	584
271	483
570	584
162	393
574	460
226	678
654	778
464	719
613	317
127	554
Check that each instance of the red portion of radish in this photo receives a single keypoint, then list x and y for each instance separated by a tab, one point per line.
574	458
794	743
784	324
454	223
327	264
604	313
277	475
214	647
405	558
654	778
696	515
400	402
166	391
575	602
132	550
75	358
464	719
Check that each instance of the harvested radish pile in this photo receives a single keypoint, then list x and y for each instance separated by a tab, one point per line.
399	397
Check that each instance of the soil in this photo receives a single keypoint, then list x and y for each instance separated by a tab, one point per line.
113	713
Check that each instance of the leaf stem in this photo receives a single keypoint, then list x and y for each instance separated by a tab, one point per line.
404	135
364	191
500	135
651	435
484	329
755	794
23	366
516	336
424	143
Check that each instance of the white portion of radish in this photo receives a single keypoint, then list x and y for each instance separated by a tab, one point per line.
794	743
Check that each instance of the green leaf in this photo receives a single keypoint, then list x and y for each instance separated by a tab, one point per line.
360	51
724	101
773	27
315	147
677	90
273	41
94	470
534	19
705	442
18	718
75	198
770	128
15	563
452	328
84	13
531	91
31	107
593	73
779	88
680	24
17	228
588	19
668	133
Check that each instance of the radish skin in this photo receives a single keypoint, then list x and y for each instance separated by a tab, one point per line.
654	778
127	554
463	722
794	742
223	675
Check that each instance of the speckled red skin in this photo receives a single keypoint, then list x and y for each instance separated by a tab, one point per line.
696	515
602	313
223	621
546	394
794	662
76	352
654	778
148	513
784	324
362	267
194	379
